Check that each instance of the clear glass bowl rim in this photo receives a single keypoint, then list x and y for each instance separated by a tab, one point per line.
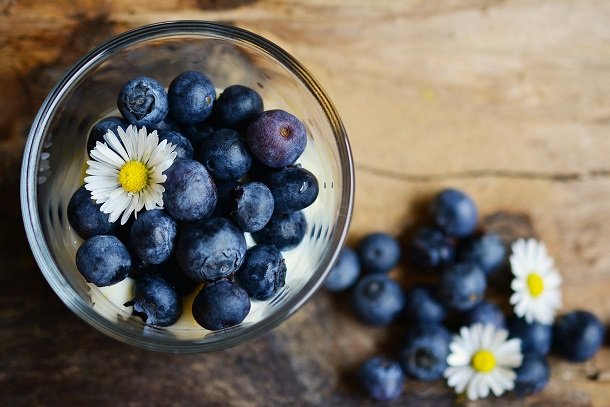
29	174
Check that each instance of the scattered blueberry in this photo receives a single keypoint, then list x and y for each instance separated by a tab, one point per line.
382	378
462	286
485	313
221	305
156	302
86	217
190	192
578	335
535	337
143	101
277	138
263	272
345	272
423	305
424	353
284	231
236	107
430	249
210	249
379	252
152	236
532	376
225	155
487	251
100	128
377	299
191	96
293	189
184	149
455	213
103	260
252	206
225	191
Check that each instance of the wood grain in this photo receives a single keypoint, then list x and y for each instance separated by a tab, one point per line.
507	99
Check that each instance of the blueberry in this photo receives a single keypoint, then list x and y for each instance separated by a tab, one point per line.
100	128
381	378
423	305
535	337
259	171
532	376
225	155
152	236
86	217
487	251
462	286
377	299
379	252
190	192
345	272
221	305
277	138
455	213
263	272
578	335
191	96
293	189
237	107
485	313
210	249
252	206
225	191
184	149
284	231
168	270
197	133
424	353
143	101
430	249
167	124
103	260
156	301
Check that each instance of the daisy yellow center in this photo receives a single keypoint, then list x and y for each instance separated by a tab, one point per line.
535	284
483	361
133	177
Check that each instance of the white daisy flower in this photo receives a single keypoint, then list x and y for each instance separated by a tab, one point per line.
481	359
536	285
126	172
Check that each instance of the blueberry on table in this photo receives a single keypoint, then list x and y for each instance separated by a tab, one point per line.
142	101
487	251
210	249
236	107
284	231
191	97
462	286
152	236
532	376
156	301
425	350
535	337
423	305
252	206
225	155
485	313
190	192
430	249
263	272
379	252
86	217
293	189
277	138
578	335
225	191
455	213
344	273
103	260
184	148
377	300
221	305
381	378
100	128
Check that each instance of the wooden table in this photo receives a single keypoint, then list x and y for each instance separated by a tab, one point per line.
507	99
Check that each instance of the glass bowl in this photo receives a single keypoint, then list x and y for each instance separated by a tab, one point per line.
56	150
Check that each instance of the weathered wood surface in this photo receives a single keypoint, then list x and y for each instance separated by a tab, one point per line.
508	99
